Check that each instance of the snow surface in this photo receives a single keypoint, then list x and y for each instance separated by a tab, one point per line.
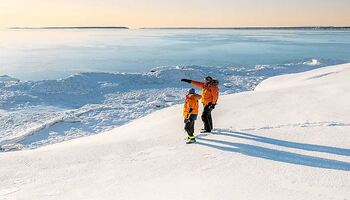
37	113
312	62
288	139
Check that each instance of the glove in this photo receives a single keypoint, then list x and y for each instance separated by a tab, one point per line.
211	106
186	121
190	111
186	80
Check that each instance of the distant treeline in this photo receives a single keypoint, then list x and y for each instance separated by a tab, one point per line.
73	27
262	28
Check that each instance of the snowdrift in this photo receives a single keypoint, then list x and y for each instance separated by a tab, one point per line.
288	139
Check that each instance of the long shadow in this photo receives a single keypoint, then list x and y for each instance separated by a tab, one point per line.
303	146
275	155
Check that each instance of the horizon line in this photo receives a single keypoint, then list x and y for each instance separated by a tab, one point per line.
70	27
182	27
254	27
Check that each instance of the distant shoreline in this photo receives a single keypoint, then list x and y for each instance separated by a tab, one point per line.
73	27
260	28
190	28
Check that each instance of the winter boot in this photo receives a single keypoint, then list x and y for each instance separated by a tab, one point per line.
191	139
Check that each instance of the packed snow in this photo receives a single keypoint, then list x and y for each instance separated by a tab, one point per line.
37	113
287	139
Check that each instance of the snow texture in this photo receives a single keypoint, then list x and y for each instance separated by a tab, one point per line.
288	139
37	113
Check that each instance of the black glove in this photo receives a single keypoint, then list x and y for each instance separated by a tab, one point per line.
190	111
186	80
212	106
186	121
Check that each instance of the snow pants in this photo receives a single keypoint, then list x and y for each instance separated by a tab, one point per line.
189	124
206	118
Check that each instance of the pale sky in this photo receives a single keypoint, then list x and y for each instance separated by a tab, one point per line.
180	13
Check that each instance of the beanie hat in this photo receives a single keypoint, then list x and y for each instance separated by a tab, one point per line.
191	91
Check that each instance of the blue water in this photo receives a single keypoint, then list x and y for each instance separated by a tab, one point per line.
52	54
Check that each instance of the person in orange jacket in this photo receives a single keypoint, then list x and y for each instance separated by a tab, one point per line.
210	95
190	112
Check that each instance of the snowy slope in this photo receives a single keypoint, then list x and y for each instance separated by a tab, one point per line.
37	113
288	139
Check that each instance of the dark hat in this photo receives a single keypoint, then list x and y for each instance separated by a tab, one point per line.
208	78
215	82
191	91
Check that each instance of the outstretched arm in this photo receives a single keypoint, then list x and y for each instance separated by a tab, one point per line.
195	83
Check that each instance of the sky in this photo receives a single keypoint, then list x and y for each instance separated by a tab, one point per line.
174	13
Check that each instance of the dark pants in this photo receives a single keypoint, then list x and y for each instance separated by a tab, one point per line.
206	118
189	125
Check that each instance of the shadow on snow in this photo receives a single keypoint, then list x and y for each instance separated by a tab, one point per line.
279	155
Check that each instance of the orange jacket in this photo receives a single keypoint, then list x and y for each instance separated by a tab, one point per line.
191	102
210	93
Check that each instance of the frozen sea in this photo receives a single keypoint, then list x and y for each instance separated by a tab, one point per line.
57	85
